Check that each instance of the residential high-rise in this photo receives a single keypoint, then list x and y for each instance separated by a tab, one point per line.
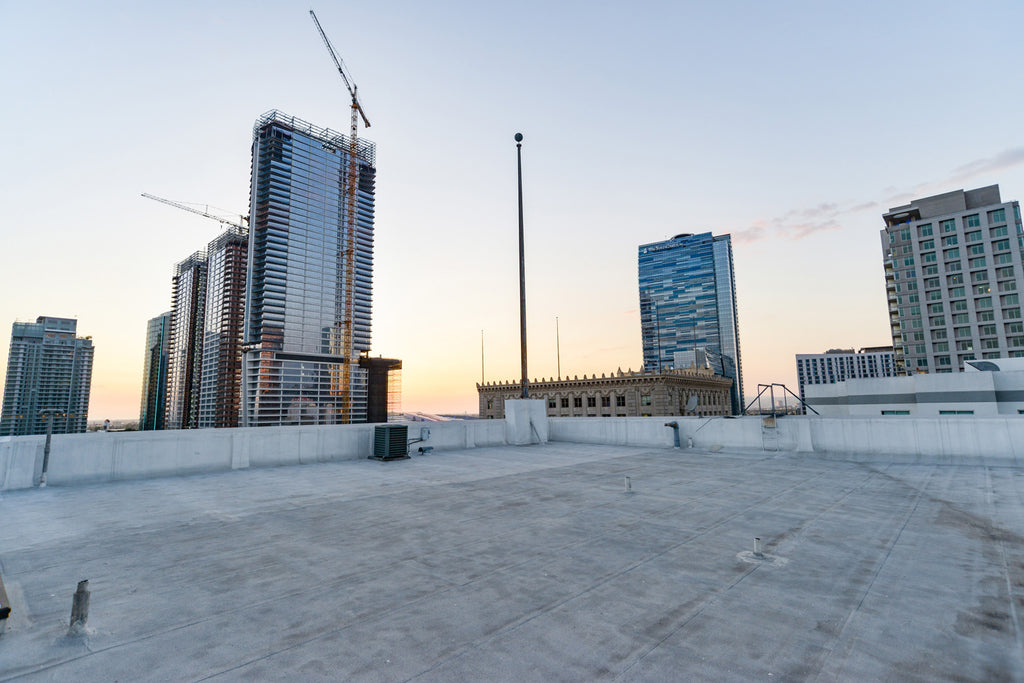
154	373
49	372
310	262
688	307
953	279
839	365
184	362
220	386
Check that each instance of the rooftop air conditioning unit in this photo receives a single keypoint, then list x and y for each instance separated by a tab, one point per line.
390	442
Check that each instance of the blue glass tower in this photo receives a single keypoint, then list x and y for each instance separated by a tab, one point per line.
688	307
310	269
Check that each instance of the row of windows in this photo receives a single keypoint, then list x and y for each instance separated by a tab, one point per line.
606	401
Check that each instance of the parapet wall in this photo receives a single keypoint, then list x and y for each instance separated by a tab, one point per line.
111	456
96	457
953	440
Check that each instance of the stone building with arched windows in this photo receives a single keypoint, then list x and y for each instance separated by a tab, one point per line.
621	394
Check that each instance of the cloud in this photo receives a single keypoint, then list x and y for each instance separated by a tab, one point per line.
1008	158
801	223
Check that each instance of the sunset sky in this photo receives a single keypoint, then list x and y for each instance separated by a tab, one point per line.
791	126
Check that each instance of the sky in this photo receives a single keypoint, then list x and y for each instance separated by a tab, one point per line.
791	126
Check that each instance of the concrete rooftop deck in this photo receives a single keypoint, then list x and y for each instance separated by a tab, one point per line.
527	563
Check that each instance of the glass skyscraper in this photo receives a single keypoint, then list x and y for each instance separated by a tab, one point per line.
220	383
49	372
154	373
185	354
310	274
688	307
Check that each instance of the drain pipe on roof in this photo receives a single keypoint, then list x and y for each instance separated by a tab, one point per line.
675	432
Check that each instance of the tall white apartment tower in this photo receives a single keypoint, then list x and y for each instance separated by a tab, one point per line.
953	279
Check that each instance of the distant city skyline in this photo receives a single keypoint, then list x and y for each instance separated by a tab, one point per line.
641	122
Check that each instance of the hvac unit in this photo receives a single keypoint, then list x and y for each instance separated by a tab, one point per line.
390	442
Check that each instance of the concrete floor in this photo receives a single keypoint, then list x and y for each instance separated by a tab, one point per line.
524	564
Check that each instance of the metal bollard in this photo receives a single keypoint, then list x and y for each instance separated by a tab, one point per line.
79	608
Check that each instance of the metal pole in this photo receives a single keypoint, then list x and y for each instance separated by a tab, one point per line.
558	349
522	267
46	450
481	357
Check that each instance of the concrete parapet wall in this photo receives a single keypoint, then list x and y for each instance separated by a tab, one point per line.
952	440
111	456
86	458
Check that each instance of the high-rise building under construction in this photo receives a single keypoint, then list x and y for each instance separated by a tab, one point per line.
309	276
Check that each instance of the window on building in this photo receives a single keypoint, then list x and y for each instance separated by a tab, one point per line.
645	399
1014	328
997	216
1004	272
591	402
924	230
965	345
1001	231
956	412
976	250
983	302
938	334
931	283
895	412
935	308
620	401
957	279
973	236
979	276
927	244
986	330
949	241
942	360
934	295
962	332
953	266
940	347
1009	299
948	226
972	221
928	257
577	402
985	316
1008	286
1005	257
1001	245
490	404
981	289
606	401
565	403
950	254
904	234
957	291
552	403
957	306
978	262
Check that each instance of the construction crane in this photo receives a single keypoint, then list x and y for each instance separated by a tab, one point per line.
348	246
183	207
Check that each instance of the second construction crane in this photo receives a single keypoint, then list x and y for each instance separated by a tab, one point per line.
348	251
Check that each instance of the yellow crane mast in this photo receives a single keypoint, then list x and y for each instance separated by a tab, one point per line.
348	249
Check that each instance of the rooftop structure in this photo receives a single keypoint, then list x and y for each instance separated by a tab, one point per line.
688	307
535	563
985	388
310	272
953	276
620	394
836	365
49	375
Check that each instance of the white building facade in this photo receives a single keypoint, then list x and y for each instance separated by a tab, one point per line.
953	276
838	365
